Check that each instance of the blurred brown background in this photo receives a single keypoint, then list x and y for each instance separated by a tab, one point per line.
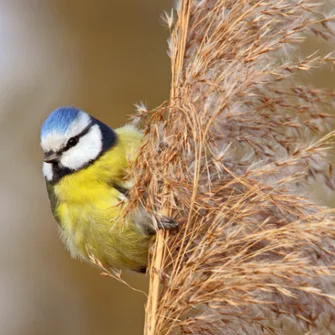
100	56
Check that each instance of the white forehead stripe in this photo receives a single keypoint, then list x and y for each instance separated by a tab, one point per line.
56	139
87	149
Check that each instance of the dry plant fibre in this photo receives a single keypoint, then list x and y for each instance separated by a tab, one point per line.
230	157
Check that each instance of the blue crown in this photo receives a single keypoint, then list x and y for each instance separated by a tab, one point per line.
59	120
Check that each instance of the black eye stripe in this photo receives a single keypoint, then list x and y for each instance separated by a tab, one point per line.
71	143
109	139
84	131
76	138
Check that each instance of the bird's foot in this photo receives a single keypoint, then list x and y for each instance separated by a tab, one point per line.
166	223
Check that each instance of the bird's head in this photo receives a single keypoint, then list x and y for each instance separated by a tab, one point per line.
71	140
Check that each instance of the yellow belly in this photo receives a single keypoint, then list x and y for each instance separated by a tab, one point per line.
92	226
88	209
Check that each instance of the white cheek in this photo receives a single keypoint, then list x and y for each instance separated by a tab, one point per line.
87	149
47	171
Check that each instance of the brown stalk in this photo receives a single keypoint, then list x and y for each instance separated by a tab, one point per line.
157	258
230	157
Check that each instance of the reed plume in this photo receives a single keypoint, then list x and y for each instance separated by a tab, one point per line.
230	157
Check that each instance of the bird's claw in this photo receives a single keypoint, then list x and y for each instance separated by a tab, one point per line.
166	223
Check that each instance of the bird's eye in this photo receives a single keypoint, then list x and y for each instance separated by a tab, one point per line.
72	142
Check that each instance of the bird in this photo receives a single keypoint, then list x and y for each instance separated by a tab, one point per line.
85	168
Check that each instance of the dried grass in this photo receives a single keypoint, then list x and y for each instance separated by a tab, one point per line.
230	158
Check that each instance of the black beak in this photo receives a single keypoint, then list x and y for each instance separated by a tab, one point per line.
51	157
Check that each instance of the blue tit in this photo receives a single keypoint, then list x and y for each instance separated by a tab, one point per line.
85	168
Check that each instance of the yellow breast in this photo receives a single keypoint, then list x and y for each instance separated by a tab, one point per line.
89	211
